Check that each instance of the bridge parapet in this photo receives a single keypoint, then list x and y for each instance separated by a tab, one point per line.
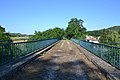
106	57
12	51
110	54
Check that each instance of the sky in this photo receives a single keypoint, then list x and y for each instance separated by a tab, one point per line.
26	16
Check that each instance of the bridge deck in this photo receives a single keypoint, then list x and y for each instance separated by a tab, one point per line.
62	62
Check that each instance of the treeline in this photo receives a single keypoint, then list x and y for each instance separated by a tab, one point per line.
95	33
17	35
50	33
75	29
107	36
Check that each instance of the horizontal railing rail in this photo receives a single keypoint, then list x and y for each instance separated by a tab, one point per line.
110	54
12	51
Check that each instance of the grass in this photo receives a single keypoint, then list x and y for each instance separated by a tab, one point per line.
19	39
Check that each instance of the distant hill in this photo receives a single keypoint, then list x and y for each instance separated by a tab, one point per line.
116	28
18	35
97	33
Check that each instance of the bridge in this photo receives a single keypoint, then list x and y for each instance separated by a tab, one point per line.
55	59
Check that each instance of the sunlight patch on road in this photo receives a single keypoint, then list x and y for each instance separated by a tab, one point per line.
70	48
68	43
62	44
80	53
59	50
57	55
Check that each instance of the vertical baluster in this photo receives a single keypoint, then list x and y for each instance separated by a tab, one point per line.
3	52
10	51
119	59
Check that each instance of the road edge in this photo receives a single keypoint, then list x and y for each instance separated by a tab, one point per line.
110	72
9	69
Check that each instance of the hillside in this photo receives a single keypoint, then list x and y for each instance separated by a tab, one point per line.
116	28
18	35
97	33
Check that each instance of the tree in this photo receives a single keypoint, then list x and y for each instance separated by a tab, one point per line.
2	29
58	32
108	36
50	33
3	35
95	33
75	29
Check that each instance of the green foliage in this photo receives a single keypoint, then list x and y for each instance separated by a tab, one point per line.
97	33
4	38
3	35
51	33
115	28
109	36
94	33
75	29
2	29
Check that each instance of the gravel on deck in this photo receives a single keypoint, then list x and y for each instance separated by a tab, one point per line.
62	62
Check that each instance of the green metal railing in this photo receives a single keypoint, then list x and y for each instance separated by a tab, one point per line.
110	54
13	51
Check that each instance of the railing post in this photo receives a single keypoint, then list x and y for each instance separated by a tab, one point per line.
118	51
3	54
